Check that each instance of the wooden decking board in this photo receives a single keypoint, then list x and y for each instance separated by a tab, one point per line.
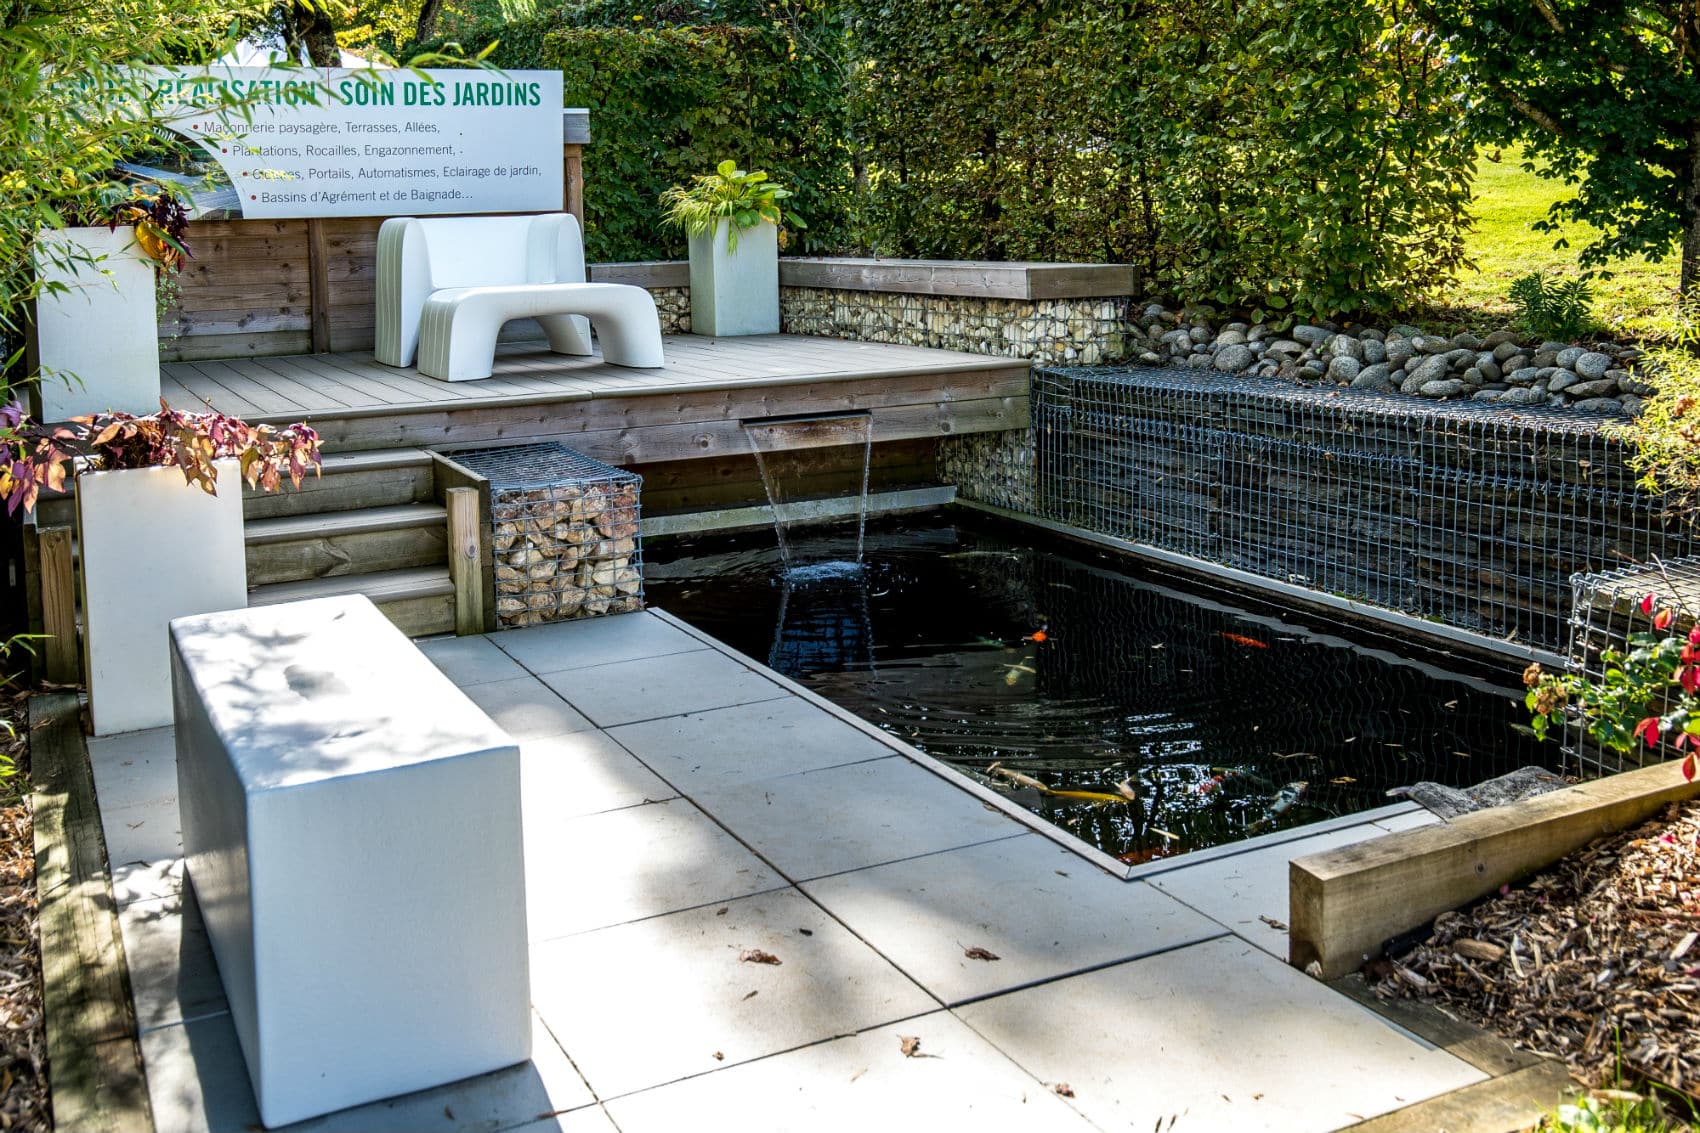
686	410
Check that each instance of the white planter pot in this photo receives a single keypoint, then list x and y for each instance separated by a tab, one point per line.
735	293
97	341
153	548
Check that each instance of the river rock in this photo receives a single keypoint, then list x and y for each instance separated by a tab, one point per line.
1230	337
1234	357
1584	391
1450	387
1345	346
1562	381
1522	395
1593	364
1399	351
1308	334
1375	350
1373	376
1607	406
1507	349
1522	376
1499	338
1343	368
1567	357
1464	340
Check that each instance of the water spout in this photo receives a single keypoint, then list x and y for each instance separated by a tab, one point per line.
781	442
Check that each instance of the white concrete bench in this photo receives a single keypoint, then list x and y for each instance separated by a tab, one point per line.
351	826
447	285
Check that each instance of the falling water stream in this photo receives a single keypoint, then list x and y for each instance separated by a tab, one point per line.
780	442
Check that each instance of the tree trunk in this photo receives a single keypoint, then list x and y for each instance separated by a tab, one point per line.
427	26
310	28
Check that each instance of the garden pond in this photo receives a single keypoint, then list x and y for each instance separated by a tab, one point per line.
1144	719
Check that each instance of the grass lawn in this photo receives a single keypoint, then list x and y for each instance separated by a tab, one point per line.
1636	303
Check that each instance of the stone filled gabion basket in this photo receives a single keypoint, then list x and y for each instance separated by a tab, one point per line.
564	533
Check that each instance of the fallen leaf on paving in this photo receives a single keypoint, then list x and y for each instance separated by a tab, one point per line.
910	1045
720	912
719	1057
1273	923
1062	873
750	995
1483	950
448	1113
757	956
1062	1089
978	953
807	931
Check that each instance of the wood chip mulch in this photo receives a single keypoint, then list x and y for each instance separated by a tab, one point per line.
1595	961
23	1038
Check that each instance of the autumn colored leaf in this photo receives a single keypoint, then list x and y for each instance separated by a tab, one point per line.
757	956
1062	1089
910	1045
978	953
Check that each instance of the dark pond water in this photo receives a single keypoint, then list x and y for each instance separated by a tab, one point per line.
1086	677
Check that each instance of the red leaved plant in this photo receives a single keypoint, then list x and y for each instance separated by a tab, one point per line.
1650	694
34	457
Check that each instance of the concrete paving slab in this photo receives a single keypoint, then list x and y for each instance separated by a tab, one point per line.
1040	909
725	746
590	1119
657	1000
594	641
606	869
582	773
627	691
861	1082
198	1083
527	709
146	881
173	976
843	818
1410	820
469	661
1240	891
1217	1035
134	768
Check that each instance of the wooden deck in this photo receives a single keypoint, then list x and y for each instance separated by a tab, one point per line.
691	408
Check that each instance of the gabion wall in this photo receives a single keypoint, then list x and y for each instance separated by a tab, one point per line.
565	533
1048	331
1604	612
1461	513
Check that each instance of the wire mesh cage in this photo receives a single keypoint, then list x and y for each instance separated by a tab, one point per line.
1605	610
1463	513
565	533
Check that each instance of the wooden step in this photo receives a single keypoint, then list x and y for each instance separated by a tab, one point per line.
293	548
349	482
420	601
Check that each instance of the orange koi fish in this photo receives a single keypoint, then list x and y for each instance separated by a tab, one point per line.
1249	642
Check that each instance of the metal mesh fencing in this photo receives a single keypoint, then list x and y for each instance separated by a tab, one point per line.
1605	611
1468	514
564	530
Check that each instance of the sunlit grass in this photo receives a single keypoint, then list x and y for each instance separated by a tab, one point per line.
1637	302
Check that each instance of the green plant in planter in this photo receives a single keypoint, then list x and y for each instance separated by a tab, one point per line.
36	457
742	199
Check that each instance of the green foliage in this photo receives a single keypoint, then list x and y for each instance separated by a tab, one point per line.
1560	309
1611	1111
745	199
1650	694
673	94
1605	95
1665	439
1289	155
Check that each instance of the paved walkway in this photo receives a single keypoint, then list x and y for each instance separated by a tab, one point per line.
683	804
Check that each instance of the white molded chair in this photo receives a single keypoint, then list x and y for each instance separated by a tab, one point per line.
447	284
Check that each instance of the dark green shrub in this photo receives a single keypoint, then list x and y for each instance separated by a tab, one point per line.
1559	309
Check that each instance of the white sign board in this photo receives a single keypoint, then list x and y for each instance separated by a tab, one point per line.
340	142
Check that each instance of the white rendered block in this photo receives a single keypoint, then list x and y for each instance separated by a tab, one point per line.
351	825
153	548
97	341
735	293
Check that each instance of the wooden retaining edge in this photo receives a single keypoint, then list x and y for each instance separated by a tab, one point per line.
1344	904
95	1077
